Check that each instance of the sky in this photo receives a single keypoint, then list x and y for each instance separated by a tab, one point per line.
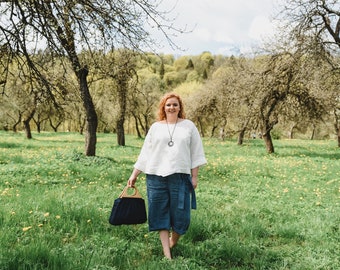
227	27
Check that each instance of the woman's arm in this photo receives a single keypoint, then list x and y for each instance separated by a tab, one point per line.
194	176
133	178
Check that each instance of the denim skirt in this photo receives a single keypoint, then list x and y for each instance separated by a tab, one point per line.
169	202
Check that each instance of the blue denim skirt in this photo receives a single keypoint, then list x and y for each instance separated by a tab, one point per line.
169	202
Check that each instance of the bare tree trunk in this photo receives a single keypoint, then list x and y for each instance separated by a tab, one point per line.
146	125
137	126
313	133
122	89
27	129
337	126
27	126
54	127
200	126
241	136
17	122
82	123
267	136
213	130
91	115
222	133
120	131
269	142
291	132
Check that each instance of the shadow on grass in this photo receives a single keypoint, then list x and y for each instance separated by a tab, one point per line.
301	151
9	145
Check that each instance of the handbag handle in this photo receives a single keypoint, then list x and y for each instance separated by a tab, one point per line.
124	193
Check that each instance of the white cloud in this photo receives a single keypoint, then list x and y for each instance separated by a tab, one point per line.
221	26
222	36
202	34
260	27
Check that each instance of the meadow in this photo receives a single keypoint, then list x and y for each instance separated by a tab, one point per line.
254	210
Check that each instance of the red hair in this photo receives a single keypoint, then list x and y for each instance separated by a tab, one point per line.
161	111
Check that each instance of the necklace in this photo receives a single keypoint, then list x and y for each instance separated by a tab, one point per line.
171	142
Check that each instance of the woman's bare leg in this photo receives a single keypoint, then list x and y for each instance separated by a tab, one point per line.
164	236
174	239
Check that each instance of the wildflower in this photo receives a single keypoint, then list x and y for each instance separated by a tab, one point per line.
25	229
46	214
57	217
40	225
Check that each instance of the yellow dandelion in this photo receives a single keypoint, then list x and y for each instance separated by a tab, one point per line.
25	229
57	217
46	214
40	225
89	220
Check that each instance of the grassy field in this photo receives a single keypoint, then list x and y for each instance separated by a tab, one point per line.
255	211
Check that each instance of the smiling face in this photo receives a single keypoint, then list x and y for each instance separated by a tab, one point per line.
170	105
172	108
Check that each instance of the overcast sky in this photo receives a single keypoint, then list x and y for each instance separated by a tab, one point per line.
221	26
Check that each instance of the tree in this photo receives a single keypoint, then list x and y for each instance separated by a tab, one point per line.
142	102
314	24
125	72
68	27
284	86
116	69
315	27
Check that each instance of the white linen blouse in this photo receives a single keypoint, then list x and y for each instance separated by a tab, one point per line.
158	158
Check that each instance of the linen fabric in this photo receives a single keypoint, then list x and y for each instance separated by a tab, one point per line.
157	158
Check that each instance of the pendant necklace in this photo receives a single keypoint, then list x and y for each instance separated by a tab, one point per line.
171	142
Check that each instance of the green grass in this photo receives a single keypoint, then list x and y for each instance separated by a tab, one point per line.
255	211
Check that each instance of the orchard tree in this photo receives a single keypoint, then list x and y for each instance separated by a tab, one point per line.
143	101
117	69
284	86
314	24
315	27
65	28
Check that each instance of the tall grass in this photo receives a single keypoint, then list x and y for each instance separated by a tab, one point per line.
255	211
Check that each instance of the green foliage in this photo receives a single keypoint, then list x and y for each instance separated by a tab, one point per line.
255	211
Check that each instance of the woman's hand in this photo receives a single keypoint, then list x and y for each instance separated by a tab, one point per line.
133	178
194	177
131	182
194	180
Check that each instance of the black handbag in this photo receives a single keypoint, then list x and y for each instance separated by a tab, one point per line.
128	209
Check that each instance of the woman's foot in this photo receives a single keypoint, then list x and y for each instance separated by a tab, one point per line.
174	239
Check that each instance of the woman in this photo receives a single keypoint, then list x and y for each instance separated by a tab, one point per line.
170	157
